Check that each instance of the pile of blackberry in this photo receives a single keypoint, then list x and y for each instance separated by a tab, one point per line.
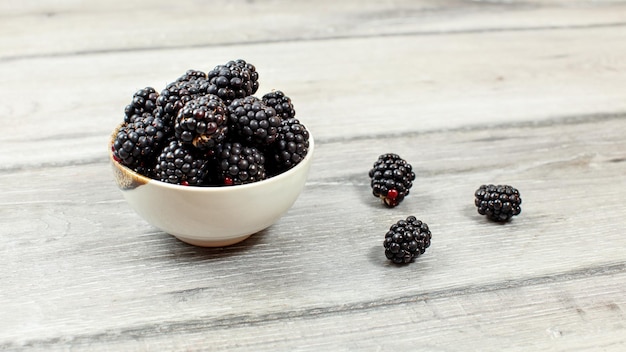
208	129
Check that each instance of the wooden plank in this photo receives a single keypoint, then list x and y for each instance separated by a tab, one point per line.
411	83
552	315
70	27
87	252
528	93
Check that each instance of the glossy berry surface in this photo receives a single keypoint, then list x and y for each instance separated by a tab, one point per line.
406	240
181	164
192	84
391	179
254	122
235	79
281	103
144	101
239	164
137	142
498	202
202	122
291	146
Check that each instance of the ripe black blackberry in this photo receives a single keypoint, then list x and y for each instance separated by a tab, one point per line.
235	79
192	75
281	103
391	178
137	142
181	164
406	240
238	164
144	101
190	85
498	202
291	146
202	122
255	122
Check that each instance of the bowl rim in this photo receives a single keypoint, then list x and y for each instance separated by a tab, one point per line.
213	189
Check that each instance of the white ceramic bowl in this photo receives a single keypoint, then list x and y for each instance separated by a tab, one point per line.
212	216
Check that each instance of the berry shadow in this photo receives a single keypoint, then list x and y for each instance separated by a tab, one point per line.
377	257
470	212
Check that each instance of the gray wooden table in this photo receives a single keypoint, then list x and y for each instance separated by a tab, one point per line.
527	93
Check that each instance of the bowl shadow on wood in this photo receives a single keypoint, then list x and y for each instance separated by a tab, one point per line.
189	253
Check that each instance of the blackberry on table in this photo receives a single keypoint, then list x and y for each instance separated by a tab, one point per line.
291	146
202	122
175	95
498	202
406	240
144	101
235	79
391	179
137	142
181	164
281	103
238	164
255	122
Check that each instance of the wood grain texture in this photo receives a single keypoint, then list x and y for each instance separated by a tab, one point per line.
67	28
529	93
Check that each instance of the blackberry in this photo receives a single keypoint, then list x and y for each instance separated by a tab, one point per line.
192	75
138	141
181	164
281	103
235	79
202	122
499	203
406	240
238	164
255	122
391	178
190	85
291	146
144	101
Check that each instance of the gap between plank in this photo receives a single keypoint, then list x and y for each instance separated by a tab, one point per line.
485	30
212	323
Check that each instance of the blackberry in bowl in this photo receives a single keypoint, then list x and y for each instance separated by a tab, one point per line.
193	160
211	216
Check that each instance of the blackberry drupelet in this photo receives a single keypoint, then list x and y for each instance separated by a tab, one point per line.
190	85
138	141
144	101
406	240
202	122
235	79
181	164
281	103
391	178
238	164
291	146
255	122
498	202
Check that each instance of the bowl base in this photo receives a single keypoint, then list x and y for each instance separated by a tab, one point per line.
209	243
